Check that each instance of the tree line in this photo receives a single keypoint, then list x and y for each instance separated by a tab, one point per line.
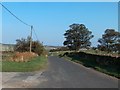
78	36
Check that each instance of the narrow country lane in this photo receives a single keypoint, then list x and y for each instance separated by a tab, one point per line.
66	74
60	74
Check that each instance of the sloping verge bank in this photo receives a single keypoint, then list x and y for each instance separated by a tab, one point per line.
106	64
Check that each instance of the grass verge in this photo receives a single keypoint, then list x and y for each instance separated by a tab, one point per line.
35	64
110	70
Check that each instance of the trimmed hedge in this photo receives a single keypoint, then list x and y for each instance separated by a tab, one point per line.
99	59
107	64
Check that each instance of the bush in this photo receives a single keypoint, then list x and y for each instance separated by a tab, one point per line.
23	45
38	48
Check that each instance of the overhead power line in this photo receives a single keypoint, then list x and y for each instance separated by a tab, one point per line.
32	29
21	22
35	33
14	15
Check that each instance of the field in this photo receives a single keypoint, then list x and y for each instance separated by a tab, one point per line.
98	52
91	51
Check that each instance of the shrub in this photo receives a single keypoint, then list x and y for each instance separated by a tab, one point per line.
38	48
23	45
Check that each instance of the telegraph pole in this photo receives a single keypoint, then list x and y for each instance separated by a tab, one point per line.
31	38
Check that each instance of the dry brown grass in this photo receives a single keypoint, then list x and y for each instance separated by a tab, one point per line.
22	56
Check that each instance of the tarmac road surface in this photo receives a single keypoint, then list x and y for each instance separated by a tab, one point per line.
60	73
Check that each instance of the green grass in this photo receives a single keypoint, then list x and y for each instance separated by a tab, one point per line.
109	70
35	64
